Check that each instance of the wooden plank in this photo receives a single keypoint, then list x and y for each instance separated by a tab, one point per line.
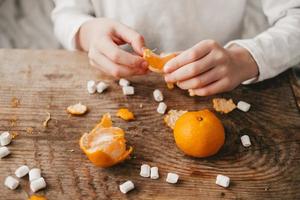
52	80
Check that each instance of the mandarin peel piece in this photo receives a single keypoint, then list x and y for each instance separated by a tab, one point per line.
105	145
125	114
156	62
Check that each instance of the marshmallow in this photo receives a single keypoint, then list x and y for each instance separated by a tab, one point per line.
37	184
222	180
11	182
34	174
128	90
154	173
126	187
158	96
243	106
245	139
101	87
123	82
91	87
5	138
145	170
162	107
22	171
4	151
172	178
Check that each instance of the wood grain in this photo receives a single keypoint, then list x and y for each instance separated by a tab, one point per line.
52	80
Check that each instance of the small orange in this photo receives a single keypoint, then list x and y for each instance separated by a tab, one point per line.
199	134
105	145
125	114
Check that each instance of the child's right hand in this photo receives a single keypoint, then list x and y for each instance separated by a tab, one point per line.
101	38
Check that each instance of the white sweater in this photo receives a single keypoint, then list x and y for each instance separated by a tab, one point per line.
173	25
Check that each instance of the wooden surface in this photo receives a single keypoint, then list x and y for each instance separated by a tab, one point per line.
49	81
295	83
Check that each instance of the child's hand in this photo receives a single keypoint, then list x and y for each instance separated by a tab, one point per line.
207	68
101	38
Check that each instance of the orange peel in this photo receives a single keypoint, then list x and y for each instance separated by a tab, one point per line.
157	63
105	145
125	114
223	105
172	116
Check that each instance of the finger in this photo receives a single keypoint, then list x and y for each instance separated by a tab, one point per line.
135	39
196	52
214	88
201	80
119	56
103	63
191	70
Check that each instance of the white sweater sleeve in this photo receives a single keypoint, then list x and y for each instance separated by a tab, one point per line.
277	48
68	16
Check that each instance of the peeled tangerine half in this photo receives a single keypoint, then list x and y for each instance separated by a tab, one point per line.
105	145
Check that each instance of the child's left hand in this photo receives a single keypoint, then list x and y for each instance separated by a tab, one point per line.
207	68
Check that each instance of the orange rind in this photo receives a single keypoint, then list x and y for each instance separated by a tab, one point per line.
157	63
77	109
172	116
125	114
105	145
223	105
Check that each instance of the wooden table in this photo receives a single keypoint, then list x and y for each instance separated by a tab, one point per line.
51	80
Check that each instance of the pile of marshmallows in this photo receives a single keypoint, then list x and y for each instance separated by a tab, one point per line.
37	182
93	87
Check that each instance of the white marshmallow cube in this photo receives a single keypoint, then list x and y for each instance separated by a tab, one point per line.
123	82
22	171
243	106
145	170
162	107
154	173
11	182
34	174
37	184
126	187
245	139
172	178
223	181
101	87
158	96
91	87
128	90
4	151
5	138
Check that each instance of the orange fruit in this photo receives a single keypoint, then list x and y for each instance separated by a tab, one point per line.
199	134
156	62
125	114
105	145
